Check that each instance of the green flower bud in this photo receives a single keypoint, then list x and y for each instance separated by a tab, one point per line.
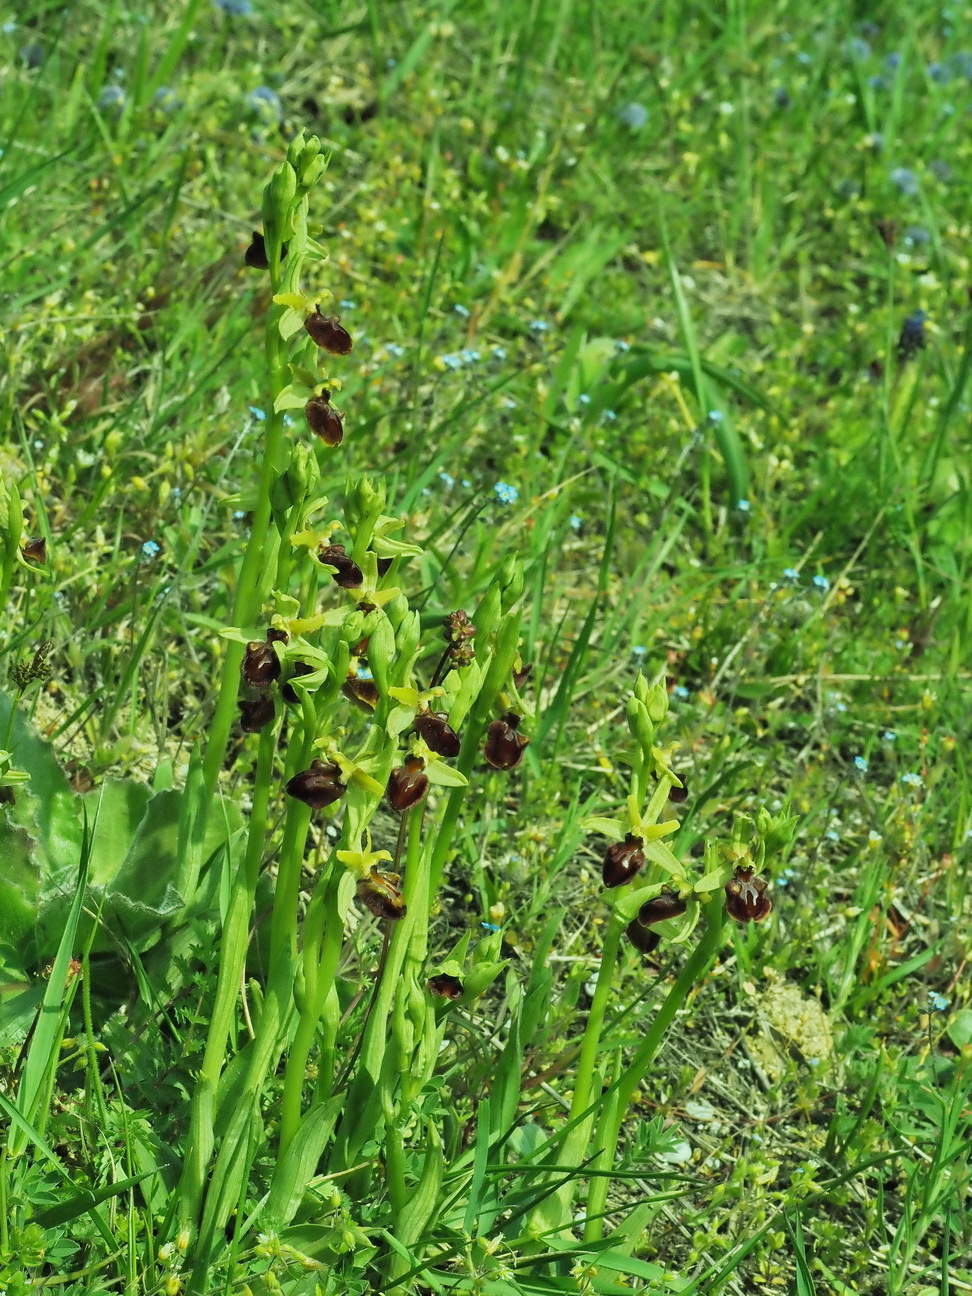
639	722
511	581
381	653
486	616
296	148
408	635
657	702
277	198
312	171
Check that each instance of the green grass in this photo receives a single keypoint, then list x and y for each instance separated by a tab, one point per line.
678	342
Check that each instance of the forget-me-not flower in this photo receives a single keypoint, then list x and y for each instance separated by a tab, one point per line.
506	493
904	178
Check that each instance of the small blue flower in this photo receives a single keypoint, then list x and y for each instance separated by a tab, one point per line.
893	62
241	8
939	72
833	835
167	99
8	27
639	651
394	349
451	361
860	764
470	355
937	1002
151	549
461	311
889	736
791	574
448	481
538	326
620	346
904	178
574	522
32	54
821	582
858	48
466	482
509	402
265	102
583	399
111	99
347	304
257	413
911	339
490	927
715	416
916	235
239	515
912	780
744	506
499	353
680	691
506	493
634	115
941	170
804	59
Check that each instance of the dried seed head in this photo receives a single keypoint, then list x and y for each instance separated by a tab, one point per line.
437	733
324	420
641	938
255	255
348	574
458	628
379	891
290	694
446	986
663	906
745	898
261	665
504	747
256	715
678	794
318	786
35	549
407	784
623	861
329	333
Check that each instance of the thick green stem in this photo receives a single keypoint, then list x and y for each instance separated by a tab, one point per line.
556	1208
232	961
323	933
695	968
366	1091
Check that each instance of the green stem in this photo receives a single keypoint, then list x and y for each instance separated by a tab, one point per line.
232	961
556	1208
695	968
323	933
256	574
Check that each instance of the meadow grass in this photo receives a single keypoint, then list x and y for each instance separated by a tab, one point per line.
661	336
